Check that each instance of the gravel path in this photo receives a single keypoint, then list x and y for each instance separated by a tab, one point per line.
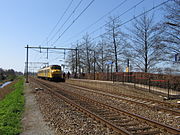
33	123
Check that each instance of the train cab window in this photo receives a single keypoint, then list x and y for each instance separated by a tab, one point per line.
56	67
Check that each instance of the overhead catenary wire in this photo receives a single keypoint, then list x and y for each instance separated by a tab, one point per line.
37	58
66	21
117	16
69	5
74	21
89	26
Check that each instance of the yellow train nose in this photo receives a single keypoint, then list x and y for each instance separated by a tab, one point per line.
55	72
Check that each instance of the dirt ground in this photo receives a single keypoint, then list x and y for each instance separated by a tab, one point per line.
32	121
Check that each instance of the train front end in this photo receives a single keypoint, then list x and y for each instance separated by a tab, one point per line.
56	73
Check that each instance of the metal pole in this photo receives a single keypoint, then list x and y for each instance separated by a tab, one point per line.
111	73
94	66
47	53
79	62
73	62
134	79
113	77
128	70
107	72
168	90
123	77
76	63
149	84
27	66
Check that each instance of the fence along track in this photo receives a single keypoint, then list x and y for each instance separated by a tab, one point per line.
110	116
154	104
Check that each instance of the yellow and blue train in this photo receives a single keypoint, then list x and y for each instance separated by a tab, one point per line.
53	73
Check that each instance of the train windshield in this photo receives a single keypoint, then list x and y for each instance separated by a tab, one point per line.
56	67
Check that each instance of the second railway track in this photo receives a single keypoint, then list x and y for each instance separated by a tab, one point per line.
154	104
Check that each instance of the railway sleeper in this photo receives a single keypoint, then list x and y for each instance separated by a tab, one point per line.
83	104
109	113
137	128
113	116
107	116
96	111
117	119
89	107
100	111
127	124
122	121
148	132
104	114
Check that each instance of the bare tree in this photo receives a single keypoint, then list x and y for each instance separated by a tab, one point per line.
82	58
101	55
147	47
115	39
71	60
172	26
86	53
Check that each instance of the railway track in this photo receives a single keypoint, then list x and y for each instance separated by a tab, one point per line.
153	104
119	120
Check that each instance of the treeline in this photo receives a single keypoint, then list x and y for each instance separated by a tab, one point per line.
9	74
146	46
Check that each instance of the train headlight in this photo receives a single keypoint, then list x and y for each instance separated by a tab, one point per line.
53	71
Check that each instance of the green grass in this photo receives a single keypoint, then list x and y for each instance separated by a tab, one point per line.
11	108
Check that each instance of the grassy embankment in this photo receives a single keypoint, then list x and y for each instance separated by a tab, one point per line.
11	108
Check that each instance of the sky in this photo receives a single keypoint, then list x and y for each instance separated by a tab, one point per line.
30	22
